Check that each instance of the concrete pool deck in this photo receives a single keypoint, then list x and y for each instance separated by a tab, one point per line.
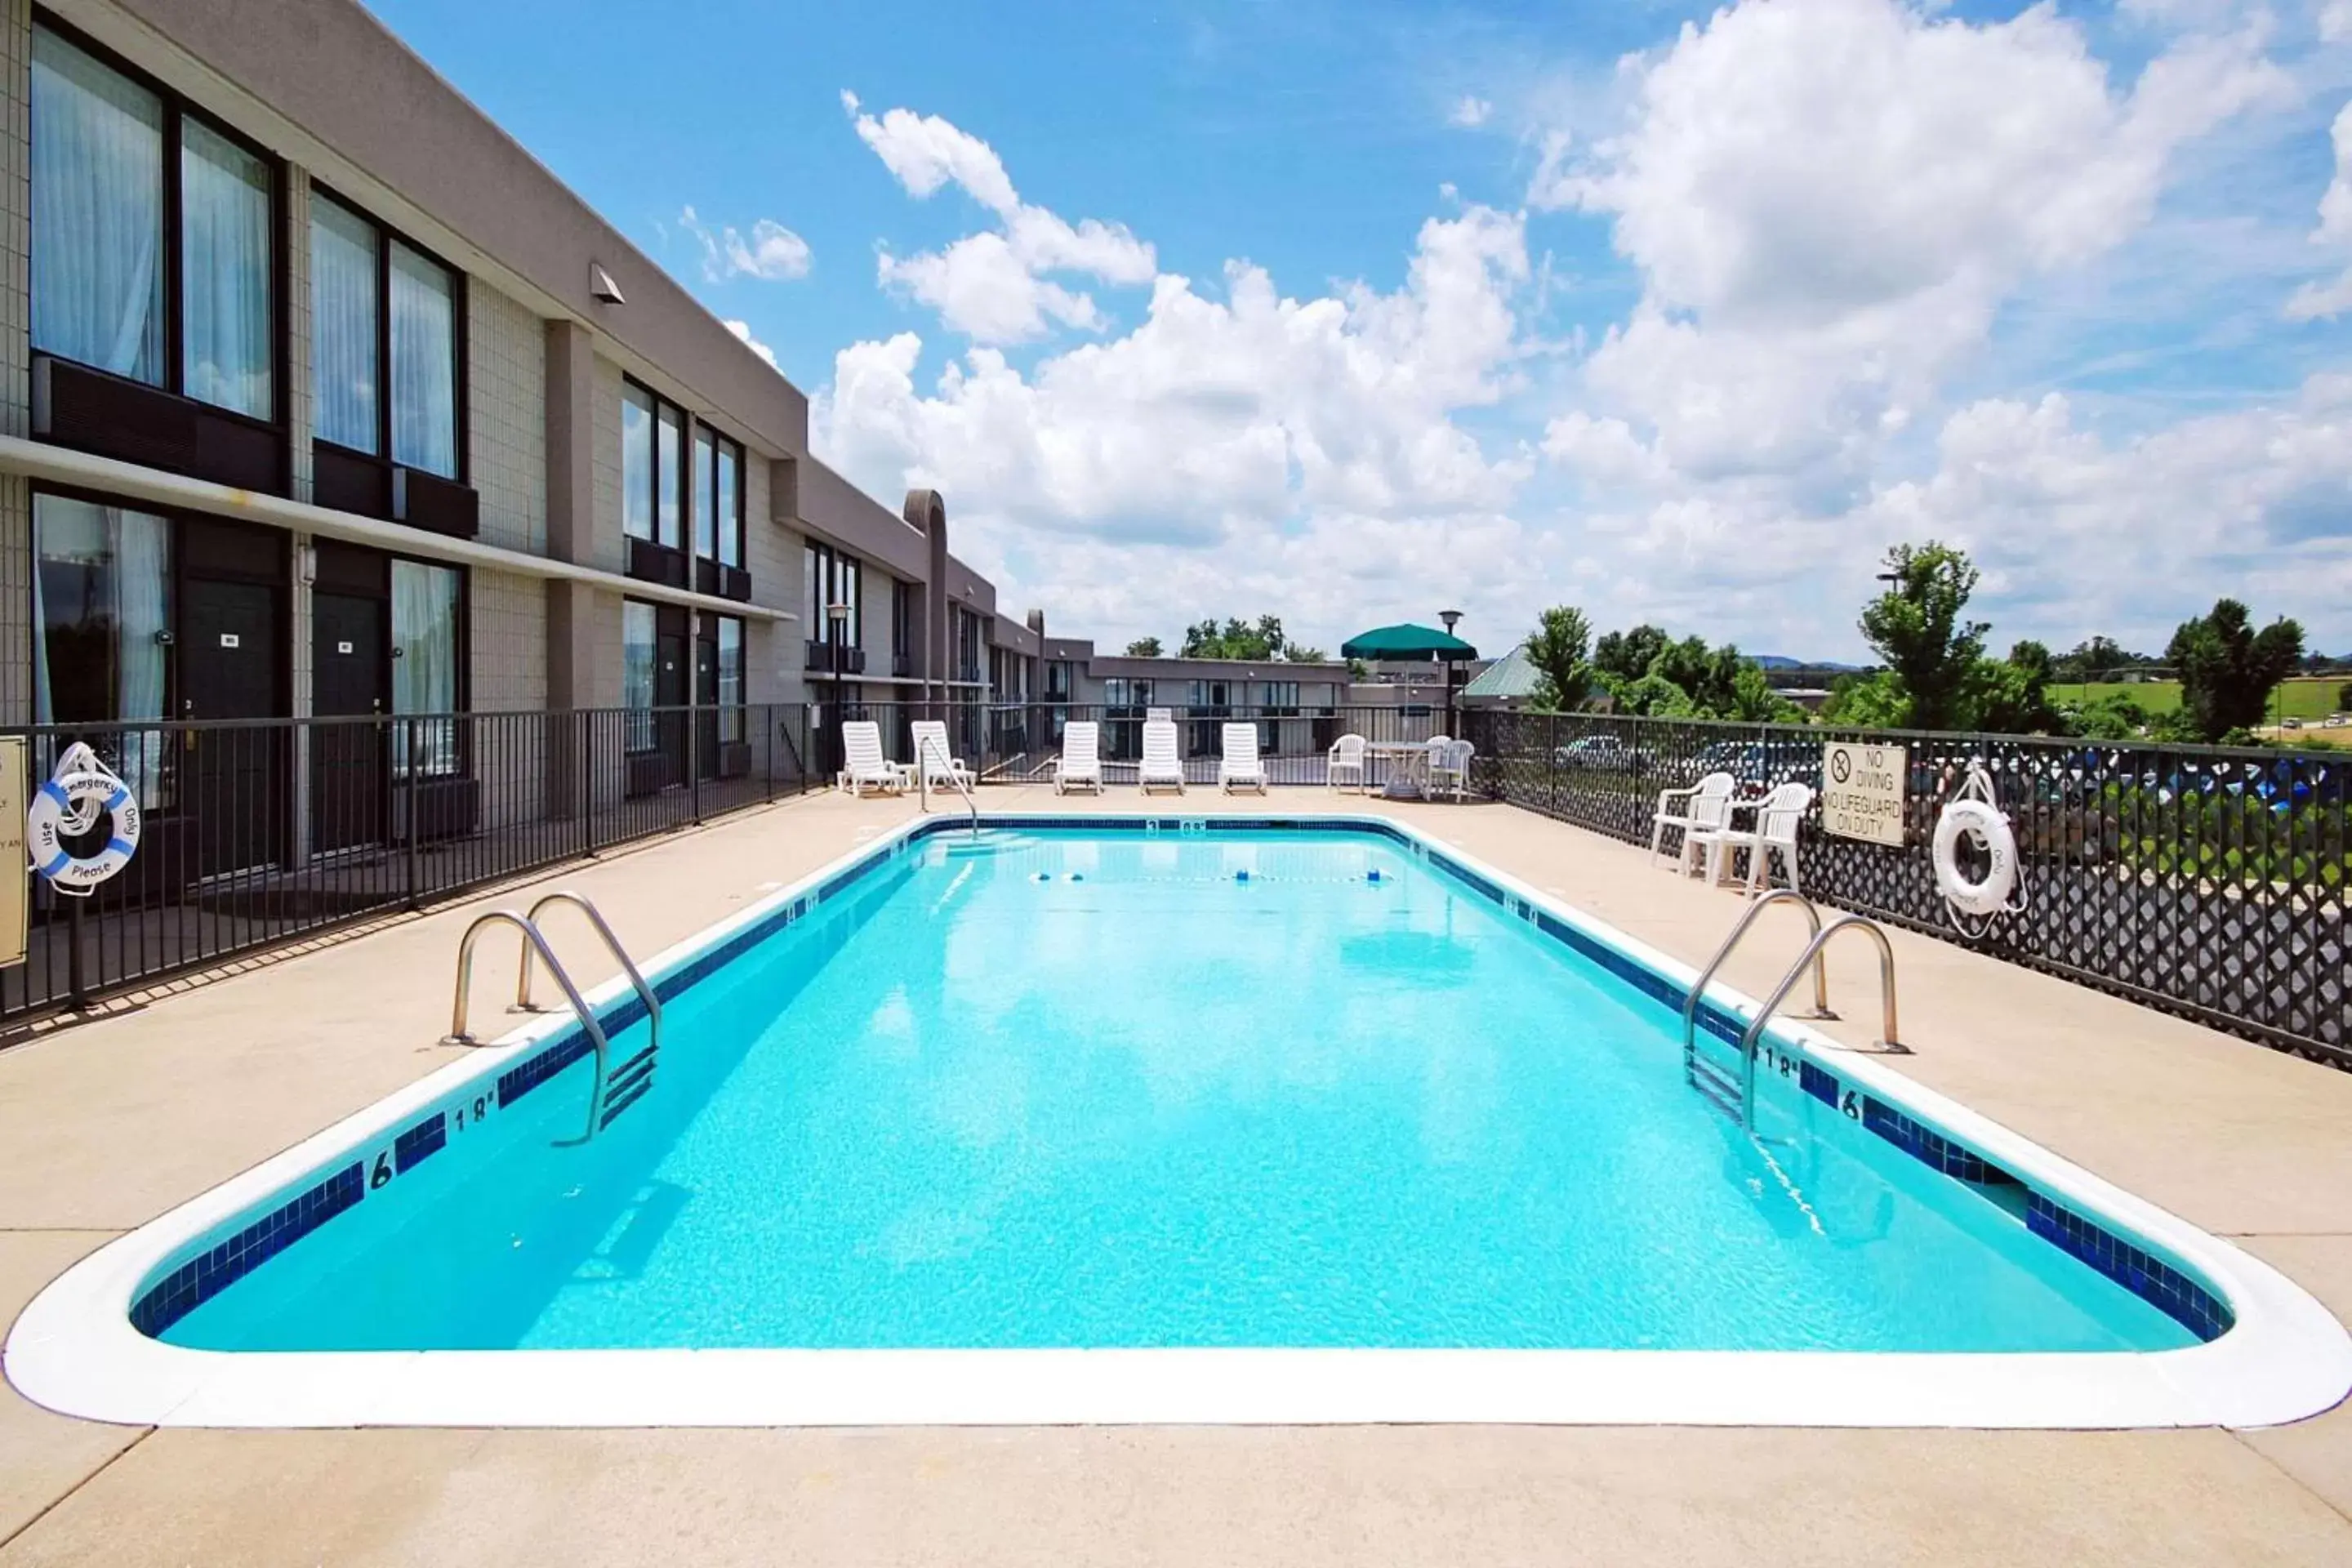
105	1124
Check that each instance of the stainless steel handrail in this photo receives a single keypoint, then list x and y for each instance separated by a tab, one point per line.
1699	991
1889	1041
923	785
532	938
597	918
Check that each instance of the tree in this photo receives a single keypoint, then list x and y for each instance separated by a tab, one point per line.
2011	697
1627	654
1234	639
2228	669
1556	649
1143	647
1875	702
2095	658
2115	716
1915	628
1295	653
2343	697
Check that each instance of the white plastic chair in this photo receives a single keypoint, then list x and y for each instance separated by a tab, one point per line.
1080	764
1449	767
1703	807
1775	820
931	749
1163	765
863	766
1238	767
1167	713
1347	756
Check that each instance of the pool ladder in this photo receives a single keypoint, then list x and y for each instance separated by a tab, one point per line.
1740	1100
923	787
612	1091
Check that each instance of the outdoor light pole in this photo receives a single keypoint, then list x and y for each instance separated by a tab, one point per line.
1450	618
836	615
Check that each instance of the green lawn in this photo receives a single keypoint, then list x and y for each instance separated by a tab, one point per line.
2299	698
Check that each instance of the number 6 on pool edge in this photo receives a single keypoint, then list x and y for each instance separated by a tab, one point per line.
383	1172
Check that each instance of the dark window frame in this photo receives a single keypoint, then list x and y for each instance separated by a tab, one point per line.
834	562
721	529
177	108
683	480
460	411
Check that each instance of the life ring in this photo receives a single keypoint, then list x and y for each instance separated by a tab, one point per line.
1982	820
67	805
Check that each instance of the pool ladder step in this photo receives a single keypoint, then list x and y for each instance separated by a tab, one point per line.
1739	1099
612	1092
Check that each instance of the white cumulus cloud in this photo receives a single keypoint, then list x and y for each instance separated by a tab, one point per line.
2335	231
1471	112
992	286
770	250
742	331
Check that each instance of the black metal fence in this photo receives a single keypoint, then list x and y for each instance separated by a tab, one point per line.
2213	882
256	832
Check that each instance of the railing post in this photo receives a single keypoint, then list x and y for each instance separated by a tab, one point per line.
408	789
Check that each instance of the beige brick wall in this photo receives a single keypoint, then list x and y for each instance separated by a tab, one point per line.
607	551
506	391
509	632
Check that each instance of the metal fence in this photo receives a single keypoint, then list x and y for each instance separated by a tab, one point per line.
256	832
2215	882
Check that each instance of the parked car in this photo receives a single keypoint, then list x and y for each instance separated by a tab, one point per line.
1609	754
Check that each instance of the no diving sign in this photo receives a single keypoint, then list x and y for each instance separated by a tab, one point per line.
1862	791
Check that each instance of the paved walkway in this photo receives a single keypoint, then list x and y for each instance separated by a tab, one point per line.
103	1125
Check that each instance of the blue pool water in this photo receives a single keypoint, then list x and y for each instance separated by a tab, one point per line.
1179	1090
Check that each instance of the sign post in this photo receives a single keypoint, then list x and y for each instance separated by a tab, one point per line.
1862	791
15	896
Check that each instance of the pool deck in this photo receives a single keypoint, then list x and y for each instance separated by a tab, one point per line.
105	1123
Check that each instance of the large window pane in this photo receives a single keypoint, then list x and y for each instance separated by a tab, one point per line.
101	608
638	672
424	663
731	505
424	364
638	464
343	327
225	269
669	446
98	214
704	524
730	679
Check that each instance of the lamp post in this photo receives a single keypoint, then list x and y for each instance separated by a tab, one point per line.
1450	618
837	617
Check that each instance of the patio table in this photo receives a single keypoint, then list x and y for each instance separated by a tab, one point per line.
1408	766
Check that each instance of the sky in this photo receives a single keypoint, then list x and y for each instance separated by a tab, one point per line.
1353	310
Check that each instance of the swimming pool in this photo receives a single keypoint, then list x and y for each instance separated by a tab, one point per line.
1170	1119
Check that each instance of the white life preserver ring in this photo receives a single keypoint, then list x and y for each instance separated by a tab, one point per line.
68	805
1983	820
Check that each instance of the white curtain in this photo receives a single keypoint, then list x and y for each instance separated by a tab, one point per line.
424	364
101	600
342	326
225	267
730	679
98	214
637	674
425	663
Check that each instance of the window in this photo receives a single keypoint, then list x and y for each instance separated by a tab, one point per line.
1119	692
653	467
718	498
1057	680
1282	696
969	642
830	578
902	623
383	342
103	618
425	649
114	287
728	699
637	619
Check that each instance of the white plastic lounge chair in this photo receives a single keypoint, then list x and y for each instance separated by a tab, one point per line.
1701	806
1347	758
1239	768
1449	767
1168	714
863	766
1163	765
1080	764
931	748
1772	826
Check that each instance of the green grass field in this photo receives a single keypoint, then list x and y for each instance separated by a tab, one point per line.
2300	698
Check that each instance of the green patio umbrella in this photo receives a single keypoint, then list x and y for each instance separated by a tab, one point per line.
1407	642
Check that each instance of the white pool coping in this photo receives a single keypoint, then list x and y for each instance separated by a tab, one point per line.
75	1351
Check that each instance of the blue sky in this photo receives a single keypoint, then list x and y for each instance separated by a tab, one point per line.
1665	311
